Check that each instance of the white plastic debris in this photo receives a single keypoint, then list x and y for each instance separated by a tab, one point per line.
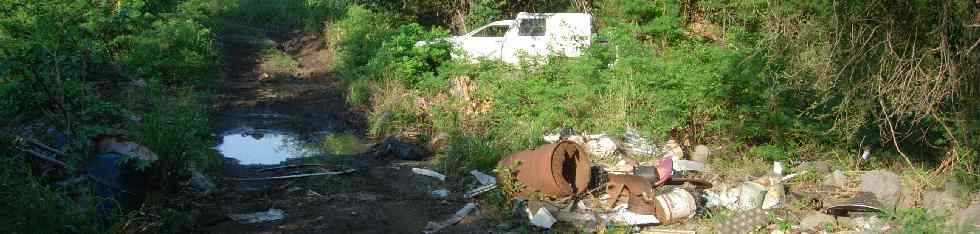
791	176
429	173
484	179
552	138
434	227
258	217
688	165
636	144
600	145
711	199
774	195
621	214
543	218
479	190
440	193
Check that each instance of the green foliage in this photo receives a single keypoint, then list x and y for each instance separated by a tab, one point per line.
399	57
33	207
914	220
358	37
77	67
278	61
309	15
769	153
483	12
369	45
176	129
175	51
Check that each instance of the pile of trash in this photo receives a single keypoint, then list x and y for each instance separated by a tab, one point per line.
559	183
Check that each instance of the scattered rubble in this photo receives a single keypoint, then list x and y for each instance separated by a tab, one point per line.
601	146
885	185
258	217
816	221
661	191
743	222
942	202
966	220
837	178
816	166
687	165
636	144
701	153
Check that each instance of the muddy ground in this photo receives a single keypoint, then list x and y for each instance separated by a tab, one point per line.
309	102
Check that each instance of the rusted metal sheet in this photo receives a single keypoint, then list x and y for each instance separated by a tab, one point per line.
639	193
555	170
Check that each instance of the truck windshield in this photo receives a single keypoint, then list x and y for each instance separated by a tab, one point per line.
492	31
532	27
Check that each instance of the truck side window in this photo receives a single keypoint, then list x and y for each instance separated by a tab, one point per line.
492	31
532	27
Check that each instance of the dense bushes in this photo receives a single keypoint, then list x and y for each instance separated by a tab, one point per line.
779	80
82	68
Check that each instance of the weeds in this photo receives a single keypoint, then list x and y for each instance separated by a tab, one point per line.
278	62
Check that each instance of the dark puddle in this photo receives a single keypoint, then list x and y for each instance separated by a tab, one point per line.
253	146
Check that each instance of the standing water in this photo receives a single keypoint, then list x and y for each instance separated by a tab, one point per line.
264	148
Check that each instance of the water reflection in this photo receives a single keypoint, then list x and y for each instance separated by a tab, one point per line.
258	147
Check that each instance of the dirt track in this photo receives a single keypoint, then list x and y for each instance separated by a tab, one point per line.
309	102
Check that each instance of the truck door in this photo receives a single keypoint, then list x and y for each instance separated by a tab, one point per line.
526	37
485	42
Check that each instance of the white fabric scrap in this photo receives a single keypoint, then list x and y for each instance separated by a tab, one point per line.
258	217
429	173
484	179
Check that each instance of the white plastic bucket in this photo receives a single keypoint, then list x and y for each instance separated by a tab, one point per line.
675	206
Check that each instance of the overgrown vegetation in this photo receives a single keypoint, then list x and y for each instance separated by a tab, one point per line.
769	80
77	69
778	80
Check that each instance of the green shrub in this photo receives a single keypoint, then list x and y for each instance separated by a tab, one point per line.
399	57
33	207
176	129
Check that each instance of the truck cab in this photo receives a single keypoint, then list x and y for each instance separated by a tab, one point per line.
529	34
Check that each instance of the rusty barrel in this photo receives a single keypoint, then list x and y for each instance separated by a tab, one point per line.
556	170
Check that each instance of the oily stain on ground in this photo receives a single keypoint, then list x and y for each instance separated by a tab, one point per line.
257	108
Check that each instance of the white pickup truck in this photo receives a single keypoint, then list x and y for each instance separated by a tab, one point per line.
529	34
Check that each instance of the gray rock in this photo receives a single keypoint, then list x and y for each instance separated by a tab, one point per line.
837	179
941	202
701	153
201	184
966	220
952	187
816	166
884	184
816	221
